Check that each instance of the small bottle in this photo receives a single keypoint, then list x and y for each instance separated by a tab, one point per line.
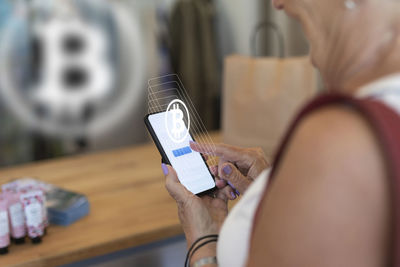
44	211
33	209
15	212
4	226
28	184
17	218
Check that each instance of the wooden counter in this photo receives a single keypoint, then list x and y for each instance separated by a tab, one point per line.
129	206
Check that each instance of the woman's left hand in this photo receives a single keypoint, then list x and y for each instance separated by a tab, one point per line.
199	216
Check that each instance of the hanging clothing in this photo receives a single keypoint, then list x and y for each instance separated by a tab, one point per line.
194	57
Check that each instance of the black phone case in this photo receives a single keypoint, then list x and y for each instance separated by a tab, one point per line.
164	157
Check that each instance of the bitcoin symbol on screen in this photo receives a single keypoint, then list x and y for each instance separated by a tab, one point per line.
178	125
174	121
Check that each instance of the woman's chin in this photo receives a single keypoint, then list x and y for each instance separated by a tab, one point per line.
313	59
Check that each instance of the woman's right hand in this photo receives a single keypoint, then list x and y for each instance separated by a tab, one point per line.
237	166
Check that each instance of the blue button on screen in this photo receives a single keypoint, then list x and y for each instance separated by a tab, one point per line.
182	151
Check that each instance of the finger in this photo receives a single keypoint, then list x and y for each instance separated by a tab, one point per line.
174	187
228	192
212	149
260	162
221	163
214	170
233	187
220	183
233	176
204	148
240	156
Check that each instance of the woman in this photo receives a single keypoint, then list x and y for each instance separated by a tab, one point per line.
332	198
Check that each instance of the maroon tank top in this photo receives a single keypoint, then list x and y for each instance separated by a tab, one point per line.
385	123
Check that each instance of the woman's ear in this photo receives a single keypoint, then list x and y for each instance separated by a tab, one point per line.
278	4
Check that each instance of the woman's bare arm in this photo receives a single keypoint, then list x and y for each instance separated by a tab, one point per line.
329	204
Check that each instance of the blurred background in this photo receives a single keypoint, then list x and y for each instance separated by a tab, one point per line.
74	73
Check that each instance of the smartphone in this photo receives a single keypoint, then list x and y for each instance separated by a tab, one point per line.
190	166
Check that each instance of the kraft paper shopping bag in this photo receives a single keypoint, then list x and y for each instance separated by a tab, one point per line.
261	96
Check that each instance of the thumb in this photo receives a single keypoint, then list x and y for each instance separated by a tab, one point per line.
230	173
174	186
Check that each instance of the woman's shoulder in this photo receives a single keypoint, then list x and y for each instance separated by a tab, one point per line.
335	129
329	195
335	136
336	147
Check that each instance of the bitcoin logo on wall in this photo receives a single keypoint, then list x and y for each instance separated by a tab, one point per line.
175	119
72	68
75	71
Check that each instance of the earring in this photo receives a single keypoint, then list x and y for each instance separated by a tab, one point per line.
350	4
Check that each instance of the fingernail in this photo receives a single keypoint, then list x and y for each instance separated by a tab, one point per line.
231	185
227	170
233	195
164	168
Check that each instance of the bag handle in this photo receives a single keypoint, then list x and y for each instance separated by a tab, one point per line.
276	29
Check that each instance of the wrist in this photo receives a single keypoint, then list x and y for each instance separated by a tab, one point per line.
203	249
208	250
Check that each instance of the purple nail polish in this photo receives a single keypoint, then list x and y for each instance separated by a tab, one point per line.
164	168
234	188
231	185
227	170
233	195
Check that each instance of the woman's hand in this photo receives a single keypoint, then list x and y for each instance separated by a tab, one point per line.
237	166
199	216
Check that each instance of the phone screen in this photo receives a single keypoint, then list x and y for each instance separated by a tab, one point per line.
189	165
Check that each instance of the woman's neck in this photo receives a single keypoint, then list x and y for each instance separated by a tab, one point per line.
390	64
380	58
